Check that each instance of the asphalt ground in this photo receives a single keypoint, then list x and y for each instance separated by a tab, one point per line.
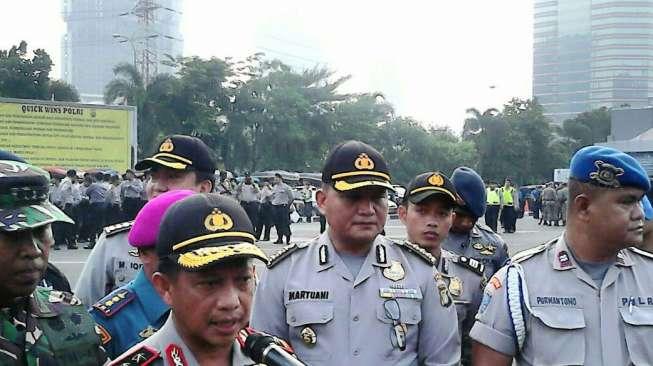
528	235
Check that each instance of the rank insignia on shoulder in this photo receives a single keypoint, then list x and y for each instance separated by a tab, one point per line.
277	257
175	355
115	301
417	250
118	228
141	355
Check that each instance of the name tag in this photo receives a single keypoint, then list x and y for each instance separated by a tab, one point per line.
399	293
555	300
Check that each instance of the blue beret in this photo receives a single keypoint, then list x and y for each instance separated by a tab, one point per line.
647	208
471	189
7	155
608	167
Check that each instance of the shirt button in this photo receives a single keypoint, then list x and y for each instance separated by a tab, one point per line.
355	318
356	352
292	319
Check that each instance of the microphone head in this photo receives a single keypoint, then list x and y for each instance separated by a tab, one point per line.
256	344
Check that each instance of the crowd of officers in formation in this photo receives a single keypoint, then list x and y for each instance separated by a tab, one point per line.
177	285
550	204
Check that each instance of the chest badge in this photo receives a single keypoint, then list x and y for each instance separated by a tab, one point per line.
478	246
308	336
147	332
455	286
395	272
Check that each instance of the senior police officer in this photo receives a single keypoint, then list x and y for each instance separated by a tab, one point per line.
38	326
351	296
595	306
205	247
181	162
133	312
467	236
427	213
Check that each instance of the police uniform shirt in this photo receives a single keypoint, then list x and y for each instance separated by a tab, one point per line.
482	244
66	190
110	265
465	280
568	319
131	188
248	192
311	299
282	194
166	348
129	315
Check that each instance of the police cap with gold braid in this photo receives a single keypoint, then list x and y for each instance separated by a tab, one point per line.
429	184
204	229
353	165
182	153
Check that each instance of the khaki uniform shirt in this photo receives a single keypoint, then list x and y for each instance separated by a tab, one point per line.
571	320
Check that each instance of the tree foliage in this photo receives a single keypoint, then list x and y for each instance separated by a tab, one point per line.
26	75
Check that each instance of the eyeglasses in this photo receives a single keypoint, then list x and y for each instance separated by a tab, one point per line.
398	330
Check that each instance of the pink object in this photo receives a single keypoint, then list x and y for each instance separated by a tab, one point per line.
146	226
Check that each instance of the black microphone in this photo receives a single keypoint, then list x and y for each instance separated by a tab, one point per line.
263	348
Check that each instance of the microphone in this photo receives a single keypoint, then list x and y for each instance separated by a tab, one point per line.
263	348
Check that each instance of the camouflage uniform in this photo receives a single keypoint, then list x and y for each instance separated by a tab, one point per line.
49	328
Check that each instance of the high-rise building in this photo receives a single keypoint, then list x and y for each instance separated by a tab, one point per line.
592	53
103	33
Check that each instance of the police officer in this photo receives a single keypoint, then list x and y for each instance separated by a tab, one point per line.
38	326
427	212
467	236
205	247
133	312
594	306
493	200
282	198
351	296
509	206
181	162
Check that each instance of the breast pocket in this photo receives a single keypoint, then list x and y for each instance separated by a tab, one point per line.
556	336
308	322
638	328
410	314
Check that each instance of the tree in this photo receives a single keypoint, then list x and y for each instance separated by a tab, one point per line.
588	128
60	90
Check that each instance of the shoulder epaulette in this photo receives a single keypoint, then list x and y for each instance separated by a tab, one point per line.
528	253
110	304
641	252
470	263
139	355
118	228
484	227
418	251
284	253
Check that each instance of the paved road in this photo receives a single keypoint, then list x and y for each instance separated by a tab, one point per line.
528	235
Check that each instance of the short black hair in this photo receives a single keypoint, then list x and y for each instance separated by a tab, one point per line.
278	175
577	188
71	173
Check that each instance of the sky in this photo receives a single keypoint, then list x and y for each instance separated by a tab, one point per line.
431	59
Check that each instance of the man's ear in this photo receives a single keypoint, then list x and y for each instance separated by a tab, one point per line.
163	285
206	186
320	199
581	207
402	211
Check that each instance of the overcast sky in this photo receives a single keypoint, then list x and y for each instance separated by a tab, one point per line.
432	59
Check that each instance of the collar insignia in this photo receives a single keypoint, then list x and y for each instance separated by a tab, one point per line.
147	332
607	174
363	162
217	220
166	146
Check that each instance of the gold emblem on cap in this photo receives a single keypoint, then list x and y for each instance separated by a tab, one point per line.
363	162
218	220
436	180
308	336
395	272
166	146
455	286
